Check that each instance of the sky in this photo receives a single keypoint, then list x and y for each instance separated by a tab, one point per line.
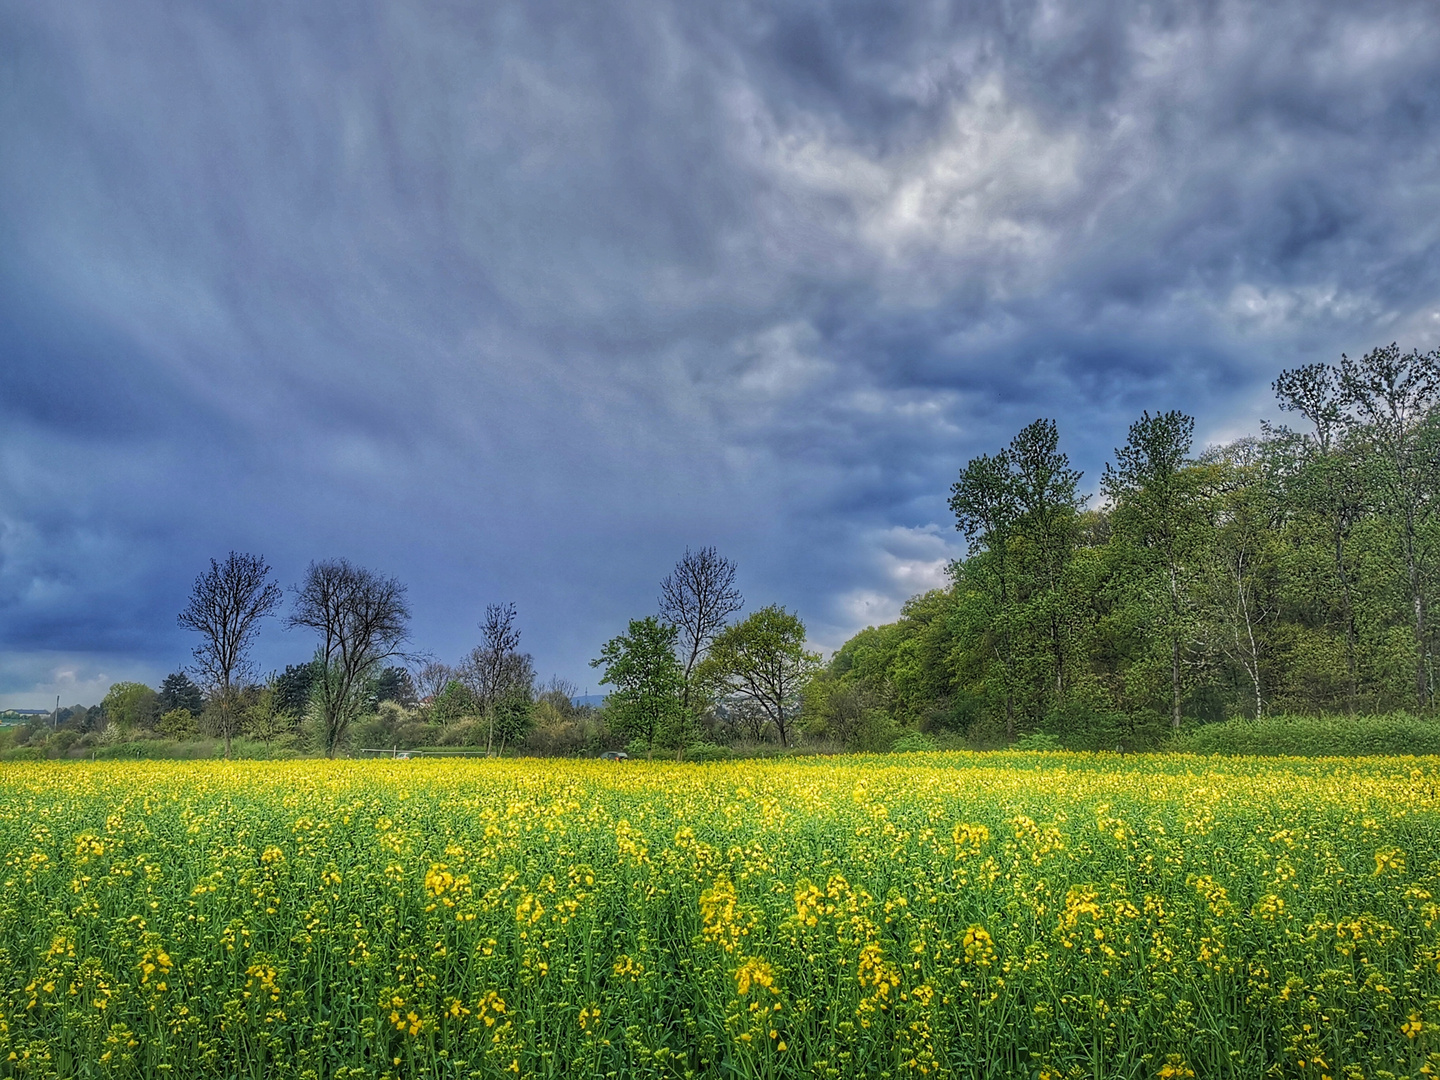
517	301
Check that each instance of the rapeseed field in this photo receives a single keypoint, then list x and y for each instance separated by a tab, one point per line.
945	915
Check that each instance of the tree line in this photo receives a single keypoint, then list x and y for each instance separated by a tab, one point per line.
682	678
1291	571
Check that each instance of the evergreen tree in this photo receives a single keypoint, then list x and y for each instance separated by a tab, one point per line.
178	692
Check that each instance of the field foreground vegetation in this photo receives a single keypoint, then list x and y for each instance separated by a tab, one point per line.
1032	915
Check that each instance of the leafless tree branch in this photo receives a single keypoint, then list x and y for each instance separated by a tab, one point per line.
698	596
226	606
361	617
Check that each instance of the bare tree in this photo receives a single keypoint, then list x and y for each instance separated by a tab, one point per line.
561	690
698	596
225	609
752	720
432	677
361	618
496	670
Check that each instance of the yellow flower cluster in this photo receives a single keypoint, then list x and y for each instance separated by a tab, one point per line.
757	973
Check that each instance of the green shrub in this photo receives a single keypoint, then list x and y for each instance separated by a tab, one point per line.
177	724
874	733
914	742
59	744
1315	736
372	733
1081	725
555	735
470	732
156	750
707	752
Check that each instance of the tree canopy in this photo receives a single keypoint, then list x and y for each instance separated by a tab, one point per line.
649	682
761	663
1290	570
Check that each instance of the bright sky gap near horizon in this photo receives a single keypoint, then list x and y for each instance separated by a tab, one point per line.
516	301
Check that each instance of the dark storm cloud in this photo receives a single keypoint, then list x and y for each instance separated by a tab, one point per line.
517	300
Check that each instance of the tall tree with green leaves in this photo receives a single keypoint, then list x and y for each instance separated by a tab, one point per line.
1159	508
395	684
1043	486
984	503
762	662
177	691
1018	510
452	704
294	685
648	701
1241	561
512	717
129	706
1324	478
1390	396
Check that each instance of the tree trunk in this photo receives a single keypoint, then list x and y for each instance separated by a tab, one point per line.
1417	598
1422	666
1174	649
780	721
1246	651
225	715
1252	666
1009	661
1351	660
1175	681
689	673
1057	646
1009	700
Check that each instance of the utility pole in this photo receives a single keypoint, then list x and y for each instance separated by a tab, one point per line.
56	723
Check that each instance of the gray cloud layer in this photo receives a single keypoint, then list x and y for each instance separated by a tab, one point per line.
517	300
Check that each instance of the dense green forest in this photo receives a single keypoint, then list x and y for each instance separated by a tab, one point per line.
1292	571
